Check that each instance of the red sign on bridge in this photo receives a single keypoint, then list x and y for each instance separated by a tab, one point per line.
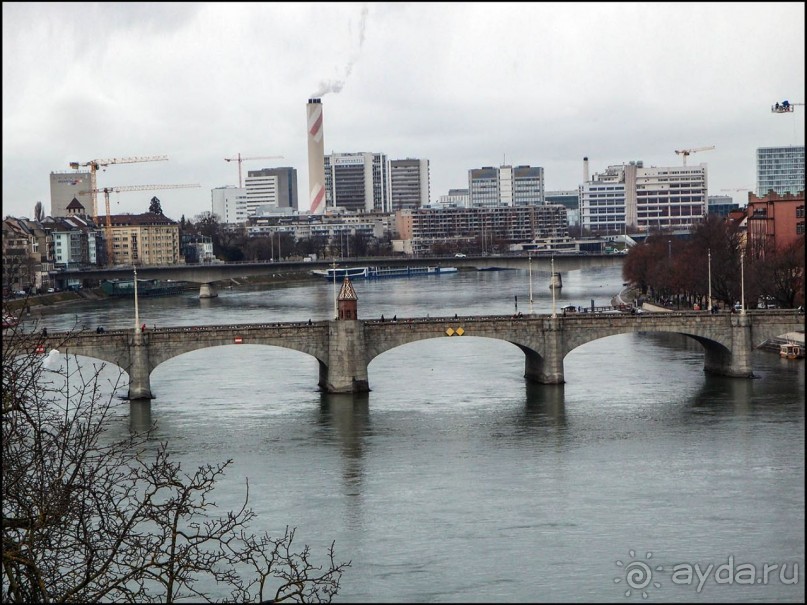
238	340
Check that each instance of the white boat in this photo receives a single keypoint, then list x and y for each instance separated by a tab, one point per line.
791	350
341	273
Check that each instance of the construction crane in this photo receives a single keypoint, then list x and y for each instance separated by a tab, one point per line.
784	107
107	190
94	165
239	159
686	152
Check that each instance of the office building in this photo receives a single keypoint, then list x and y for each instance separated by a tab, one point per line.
456	198
229	204
490	187
65	186
408	184
271	187
780	169
632	197
357	182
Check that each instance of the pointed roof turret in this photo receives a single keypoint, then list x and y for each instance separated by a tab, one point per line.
347	292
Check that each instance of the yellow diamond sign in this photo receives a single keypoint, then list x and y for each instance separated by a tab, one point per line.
460	331
450	332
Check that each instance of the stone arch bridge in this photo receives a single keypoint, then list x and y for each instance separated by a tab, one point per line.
344	348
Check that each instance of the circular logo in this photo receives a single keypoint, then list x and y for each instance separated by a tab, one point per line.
638	575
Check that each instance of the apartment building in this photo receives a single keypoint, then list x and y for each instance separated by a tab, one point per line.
145	239
774	221
419	230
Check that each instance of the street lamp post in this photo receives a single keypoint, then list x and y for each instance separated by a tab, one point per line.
335	308
529	262
709	252
742	283
552	285
137	311
669	248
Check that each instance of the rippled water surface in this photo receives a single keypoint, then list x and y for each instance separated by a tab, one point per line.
455	480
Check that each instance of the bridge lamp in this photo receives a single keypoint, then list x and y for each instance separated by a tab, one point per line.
552	287
335	308
529	262
137	311
742	282
709	253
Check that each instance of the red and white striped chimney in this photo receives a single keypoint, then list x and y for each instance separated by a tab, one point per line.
316	157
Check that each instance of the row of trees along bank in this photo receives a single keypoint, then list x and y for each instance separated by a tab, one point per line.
675	269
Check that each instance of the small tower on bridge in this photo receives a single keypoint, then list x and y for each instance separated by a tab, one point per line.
348	301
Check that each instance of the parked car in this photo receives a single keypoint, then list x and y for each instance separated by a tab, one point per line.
51	290
459	255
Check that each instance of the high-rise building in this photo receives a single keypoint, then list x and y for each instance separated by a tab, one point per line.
631	196
408	184
273	187
506	186
357	182
780	169
64	186
229	204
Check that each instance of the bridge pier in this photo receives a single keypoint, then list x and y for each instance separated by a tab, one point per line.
139	369
208	291
547	369
346	371
734	362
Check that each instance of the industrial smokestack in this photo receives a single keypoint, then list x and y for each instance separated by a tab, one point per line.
585	170
316	157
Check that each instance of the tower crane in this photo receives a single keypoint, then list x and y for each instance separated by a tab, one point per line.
93	165
107	190
784	107
686	152
239	159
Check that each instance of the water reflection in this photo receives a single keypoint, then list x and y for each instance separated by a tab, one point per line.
139	415
347	418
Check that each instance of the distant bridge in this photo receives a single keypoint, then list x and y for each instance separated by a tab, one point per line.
207	274
344	348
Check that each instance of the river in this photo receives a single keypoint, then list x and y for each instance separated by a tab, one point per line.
454	480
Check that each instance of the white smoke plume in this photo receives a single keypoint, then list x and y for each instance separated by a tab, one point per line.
335	86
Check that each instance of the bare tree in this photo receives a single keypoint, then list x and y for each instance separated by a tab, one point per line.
88	517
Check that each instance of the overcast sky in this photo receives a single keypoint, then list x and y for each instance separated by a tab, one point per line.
462	85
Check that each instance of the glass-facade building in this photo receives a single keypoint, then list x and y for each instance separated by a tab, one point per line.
780	169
